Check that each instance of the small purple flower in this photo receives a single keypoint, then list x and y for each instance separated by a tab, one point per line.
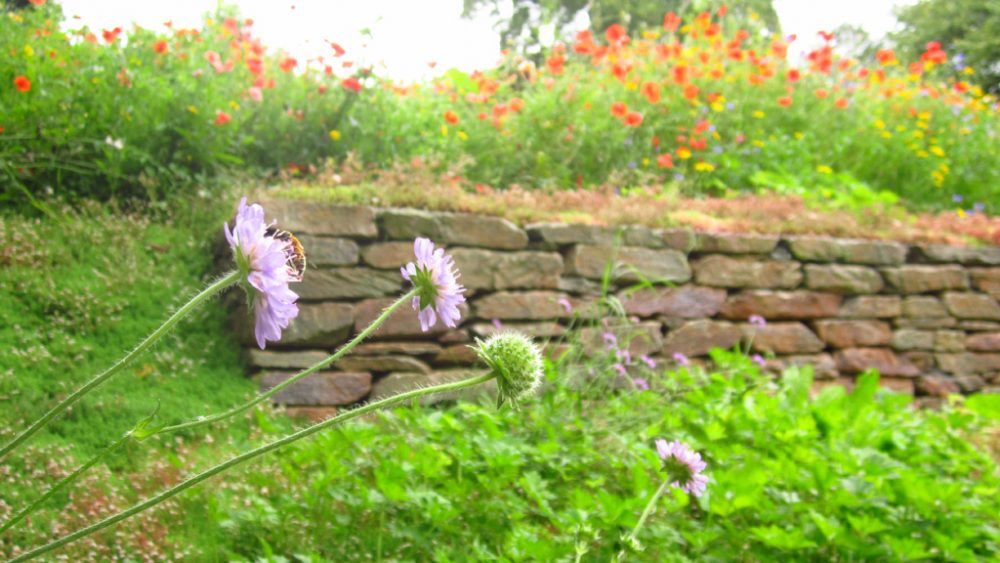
632	165
610	339
640	384
683	465
757	320
759	360
650	362
620	369
565	304
623	356
266	259
678	177
957	198
681	359
438	291
497	324
979	206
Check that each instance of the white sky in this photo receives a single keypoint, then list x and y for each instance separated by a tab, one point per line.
409	34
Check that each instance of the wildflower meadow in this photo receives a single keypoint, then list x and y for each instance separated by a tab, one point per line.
645	293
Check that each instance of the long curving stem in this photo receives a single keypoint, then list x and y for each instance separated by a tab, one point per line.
256	452
217	286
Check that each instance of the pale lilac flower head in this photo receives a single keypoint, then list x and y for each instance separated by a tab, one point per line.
436	280
610	339
650	362
620	369
565	304
269	260
759	360
683	465
640	383
757	320
681	359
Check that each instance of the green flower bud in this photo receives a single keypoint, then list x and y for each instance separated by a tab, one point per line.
517	363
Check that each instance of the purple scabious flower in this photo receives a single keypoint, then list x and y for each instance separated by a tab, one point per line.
266	257
683	465
757	320
436	280
650	362
640	383
759	360
565	304
681	359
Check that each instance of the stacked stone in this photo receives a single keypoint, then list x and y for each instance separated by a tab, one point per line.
926	317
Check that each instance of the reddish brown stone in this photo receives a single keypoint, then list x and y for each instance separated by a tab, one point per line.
910	339
322	388
455	337
679	239
872	307
986	280
527	305
925	279
642	338
724	271
696	338
819	385
782	338
985	342
937	386
923	307
854	334
857	360
971	306
902	385
388	255
822	365
778	305
923	360
382	364
684	302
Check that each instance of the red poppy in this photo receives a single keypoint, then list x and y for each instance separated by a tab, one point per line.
793	75
680	74
555	64
841	103
37	2
619	109
821	93
482	116
885	57
722	11
665	160
2	128
701	127
160	46
516	104
351	83
222	118
652	91
690	91
826	35
22	83
338	51
671	22
288	63
451	117
111	36
616	35
785	101
633	119
699	144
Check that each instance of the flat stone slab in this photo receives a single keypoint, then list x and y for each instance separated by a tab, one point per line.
562	234
326	251
491	270
825	249
348	283
321	324
396	383
324	388
289	359
730	243
403	322
854	334
631	264
725	271
684	302
857	360
792	338
872	307
522	305
940	253
778	305
316	218
382	364
926	279
390	348
843	278
971	306
696	338
463	229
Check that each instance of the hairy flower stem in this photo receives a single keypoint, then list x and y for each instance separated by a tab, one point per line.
217	286
256	452
62	483
645	514
304	373
225	414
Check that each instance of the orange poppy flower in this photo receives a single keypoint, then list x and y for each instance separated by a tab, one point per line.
619	109
785	101
37	2
671	22
288	63
821	93
652	91
351	83
451	117
826	35
665	160
222	118
633	119
160	46
690	91
338	51
616	35
516	104
22	83
841	103
701	127
793	75
111	36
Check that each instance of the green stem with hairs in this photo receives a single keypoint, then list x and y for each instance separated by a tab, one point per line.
256	452
291	380
217	286
645	513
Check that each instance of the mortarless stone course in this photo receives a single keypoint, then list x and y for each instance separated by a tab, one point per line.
842	306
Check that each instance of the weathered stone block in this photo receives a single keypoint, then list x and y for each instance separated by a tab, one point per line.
631	263
904	385
679	239
396	383
322	324
290	359
923	307
970	383
937	385
822	365
971	306
325	251
988	256
926	279
391	348
524	305
777	305
403	322
348	283
687	301
456	354
782	338
986	280
857	360
985	342
382	364
854	334
561	234
490	270
925	322
822	249
316	218
312	414
388	255
636	235
843	279
968	363
978	326
728	243
322	388
696	338
463	229
723	271
949	341
924	361
910	339
534	330
579	286
872	307
638	338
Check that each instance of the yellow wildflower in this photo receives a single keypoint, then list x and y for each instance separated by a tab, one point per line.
824	169
704	167
335	135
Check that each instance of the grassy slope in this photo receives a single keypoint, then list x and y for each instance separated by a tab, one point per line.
80	292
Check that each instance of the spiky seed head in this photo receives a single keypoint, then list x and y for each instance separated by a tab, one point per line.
517	363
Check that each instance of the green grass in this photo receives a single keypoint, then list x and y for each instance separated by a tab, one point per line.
82	292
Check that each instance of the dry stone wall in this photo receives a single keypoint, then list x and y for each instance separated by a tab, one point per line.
926	317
